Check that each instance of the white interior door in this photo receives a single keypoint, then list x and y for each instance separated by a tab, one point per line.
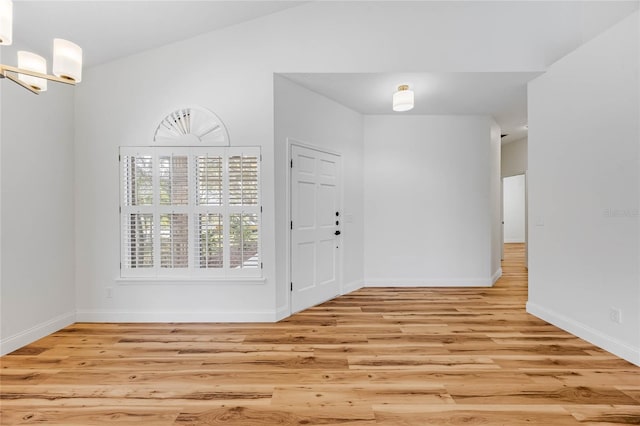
514	209
316	223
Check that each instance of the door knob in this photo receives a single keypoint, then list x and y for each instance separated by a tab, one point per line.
337	232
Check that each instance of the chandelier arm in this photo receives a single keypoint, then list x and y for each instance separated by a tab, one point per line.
26	86
4	69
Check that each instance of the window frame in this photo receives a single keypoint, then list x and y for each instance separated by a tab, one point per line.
192	210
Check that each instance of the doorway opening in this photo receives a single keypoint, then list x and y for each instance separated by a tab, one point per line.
514	211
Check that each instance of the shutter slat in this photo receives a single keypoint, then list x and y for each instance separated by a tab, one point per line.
138	236
208	181
243	180
137	180
243	240
174	180
174	240
209	240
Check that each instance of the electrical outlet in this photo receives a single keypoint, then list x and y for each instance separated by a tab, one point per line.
615	315
109	292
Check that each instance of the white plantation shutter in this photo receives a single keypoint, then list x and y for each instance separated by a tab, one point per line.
209	180
244	211
174	240
137	180
137	218
243	240
209	236
138	240
190	211
243	180
174	182
209	241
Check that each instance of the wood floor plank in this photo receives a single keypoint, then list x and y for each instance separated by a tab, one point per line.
90	416
632	391
332	395
448	378
489	415
377	356
606	414
259	416
421	362
538	394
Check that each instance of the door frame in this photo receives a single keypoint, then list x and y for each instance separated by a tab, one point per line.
288	199
525	174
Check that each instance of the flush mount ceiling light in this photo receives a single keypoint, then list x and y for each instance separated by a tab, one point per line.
403	99
31	72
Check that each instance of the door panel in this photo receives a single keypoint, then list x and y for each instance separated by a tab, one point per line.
307	205
326	270
306	259
315	200
327	206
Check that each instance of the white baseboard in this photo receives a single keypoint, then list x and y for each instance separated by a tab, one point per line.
353	286
11	343
496	276
591	335
419	282
180	316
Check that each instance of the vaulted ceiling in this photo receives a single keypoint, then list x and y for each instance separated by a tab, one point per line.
108	30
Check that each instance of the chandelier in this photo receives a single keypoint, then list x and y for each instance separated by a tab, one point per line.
31	72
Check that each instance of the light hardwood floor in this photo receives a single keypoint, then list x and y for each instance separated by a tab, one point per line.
378	356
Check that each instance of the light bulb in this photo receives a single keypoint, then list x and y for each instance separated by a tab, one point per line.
67	60
6	22
32	62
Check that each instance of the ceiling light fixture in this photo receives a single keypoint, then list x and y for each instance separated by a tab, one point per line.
31	72
403	98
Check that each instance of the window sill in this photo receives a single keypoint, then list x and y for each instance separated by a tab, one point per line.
192	280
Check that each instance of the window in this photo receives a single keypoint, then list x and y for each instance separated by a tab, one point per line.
189	212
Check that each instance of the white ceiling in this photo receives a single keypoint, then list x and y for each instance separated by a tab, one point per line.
502	95
108	30
113	29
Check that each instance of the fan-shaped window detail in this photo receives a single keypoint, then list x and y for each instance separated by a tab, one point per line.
186	125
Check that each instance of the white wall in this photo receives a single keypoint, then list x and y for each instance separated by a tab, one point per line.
514	158
231	72
36	136
584	189
514	209
429	200
307	117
